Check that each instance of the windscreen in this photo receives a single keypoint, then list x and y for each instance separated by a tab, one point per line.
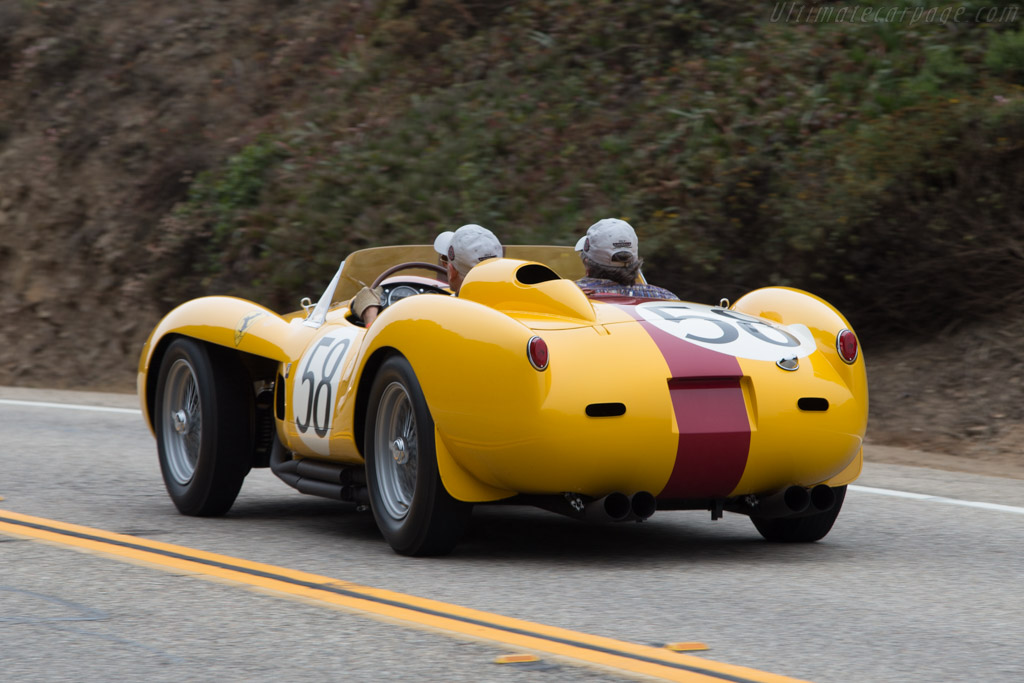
363	267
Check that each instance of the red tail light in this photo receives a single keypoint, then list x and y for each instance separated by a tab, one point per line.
846	344
537	352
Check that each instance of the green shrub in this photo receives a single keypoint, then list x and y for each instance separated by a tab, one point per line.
1005	56
875	164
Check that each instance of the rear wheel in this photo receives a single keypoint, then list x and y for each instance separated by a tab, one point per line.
804	529
414	512
203	423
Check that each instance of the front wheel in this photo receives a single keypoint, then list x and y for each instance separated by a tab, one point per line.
413	510
805	529
203	424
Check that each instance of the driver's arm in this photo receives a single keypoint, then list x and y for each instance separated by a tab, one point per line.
367	304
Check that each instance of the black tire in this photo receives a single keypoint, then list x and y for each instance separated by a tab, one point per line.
203	420
413	510
805	529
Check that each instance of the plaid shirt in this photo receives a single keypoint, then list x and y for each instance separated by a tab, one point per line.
593	285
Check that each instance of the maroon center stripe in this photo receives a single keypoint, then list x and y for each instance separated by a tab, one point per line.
714	431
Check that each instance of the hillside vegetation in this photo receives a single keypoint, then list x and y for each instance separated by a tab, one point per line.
878	165
152	152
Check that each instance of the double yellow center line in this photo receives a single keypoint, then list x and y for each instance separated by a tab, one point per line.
609	653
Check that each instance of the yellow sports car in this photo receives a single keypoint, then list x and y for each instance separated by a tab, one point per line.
519	390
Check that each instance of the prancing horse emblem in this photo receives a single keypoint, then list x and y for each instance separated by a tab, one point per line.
245	323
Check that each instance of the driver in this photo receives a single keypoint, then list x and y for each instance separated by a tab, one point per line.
458	250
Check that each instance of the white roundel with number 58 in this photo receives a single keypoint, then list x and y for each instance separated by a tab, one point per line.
315	389
730	332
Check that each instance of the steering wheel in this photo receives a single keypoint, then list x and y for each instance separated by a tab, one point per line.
423	265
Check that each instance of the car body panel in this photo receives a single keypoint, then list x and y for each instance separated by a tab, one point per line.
226	321
320	380
707	410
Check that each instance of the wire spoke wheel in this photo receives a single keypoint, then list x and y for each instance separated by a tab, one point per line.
412	508
182	421
395	438
203	421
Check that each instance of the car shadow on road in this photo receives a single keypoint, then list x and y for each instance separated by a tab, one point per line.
504	532
315	515
690	536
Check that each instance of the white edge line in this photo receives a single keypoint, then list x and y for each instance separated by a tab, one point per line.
853	487
939	499
69	406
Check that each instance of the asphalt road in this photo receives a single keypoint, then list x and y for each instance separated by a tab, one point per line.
903	589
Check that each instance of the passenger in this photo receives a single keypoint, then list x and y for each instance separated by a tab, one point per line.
610	257
458	251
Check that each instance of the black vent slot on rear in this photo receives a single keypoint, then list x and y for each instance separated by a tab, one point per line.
811	404
534	273
606	409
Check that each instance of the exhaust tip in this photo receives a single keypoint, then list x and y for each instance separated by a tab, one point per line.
797	498
823	497
643	504
616	506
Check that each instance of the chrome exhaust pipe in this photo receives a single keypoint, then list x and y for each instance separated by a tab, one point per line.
642	505
614	507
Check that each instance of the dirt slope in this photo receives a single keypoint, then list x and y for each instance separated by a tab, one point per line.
959	393
107	111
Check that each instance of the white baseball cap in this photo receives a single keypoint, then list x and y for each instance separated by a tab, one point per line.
607	238
468	246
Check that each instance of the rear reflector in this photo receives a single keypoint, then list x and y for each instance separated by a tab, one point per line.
846	344
537	352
